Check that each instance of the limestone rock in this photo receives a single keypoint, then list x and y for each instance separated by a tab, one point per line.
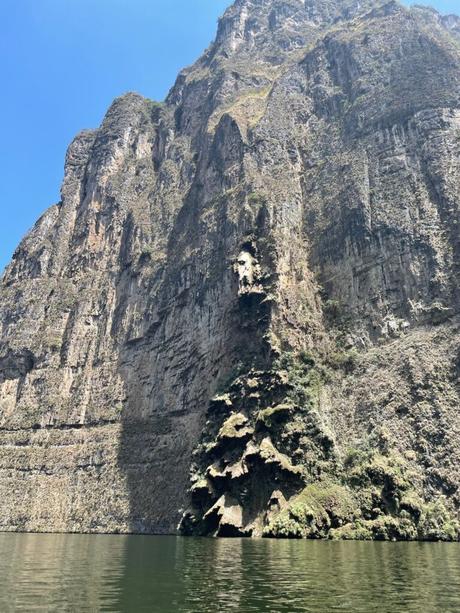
282	231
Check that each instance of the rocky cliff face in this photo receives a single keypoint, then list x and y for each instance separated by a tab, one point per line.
242	316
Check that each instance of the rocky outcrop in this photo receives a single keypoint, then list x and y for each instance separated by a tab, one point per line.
254	283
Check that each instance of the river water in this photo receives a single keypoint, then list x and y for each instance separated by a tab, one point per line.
179	575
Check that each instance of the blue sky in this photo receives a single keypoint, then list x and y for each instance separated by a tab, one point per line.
63	62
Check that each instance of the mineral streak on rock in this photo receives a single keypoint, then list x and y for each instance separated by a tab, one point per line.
242	316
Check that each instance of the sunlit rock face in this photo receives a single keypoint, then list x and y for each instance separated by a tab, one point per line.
242	316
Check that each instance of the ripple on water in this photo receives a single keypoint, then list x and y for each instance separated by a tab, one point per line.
174	575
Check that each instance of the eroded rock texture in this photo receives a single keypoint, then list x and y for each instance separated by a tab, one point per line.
255	284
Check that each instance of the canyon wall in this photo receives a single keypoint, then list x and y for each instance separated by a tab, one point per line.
242	316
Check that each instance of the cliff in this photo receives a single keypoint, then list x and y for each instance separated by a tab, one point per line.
242	316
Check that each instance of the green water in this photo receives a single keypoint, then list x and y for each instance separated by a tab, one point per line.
173	575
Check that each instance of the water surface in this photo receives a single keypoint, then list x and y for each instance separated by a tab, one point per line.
175	575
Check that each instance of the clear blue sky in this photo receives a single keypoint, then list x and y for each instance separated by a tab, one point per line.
63	62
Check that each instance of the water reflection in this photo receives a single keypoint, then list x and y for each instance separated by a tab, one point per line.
166	575
59	572
291	576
